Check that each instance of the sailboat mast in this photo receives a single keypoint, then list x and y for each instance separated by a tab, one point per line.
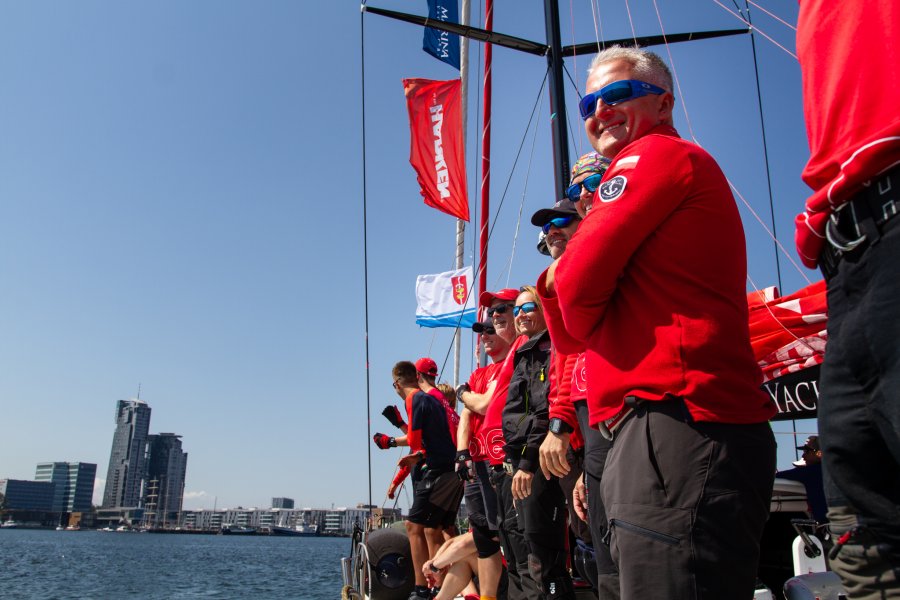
557	99
460	224
485	153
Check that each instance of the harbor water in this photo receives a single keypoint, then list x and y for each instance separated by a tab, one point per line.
92	564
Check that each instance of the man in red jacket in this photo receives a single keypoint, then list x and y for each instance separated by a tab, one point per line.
850	229
653	286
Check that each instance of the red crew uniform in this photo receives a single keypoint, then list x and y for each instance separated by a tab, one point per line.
652	286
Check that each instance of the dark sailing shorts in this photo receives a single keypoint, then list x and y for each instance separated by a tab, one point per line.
436	499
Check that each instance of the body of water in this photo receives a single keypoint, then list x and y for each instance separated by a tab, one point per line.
91	564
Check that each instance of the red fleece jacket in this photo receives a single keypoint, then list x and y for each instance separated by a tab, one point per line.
653	286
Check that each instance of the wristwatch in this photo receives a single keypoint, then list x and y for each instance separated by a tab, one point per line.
559	426
433	568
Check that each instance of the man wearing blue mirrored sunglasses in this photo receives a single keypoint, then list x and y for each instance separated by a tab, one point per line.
653	289
558	224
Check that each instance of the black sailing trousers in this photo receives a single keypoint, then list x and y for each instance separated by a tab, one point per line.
687	503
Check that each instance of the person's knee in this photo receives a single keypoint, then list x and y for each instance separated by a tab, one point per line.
414	528
486	541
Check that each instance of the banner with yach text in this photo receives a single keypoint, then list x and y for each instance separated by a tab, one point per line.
442	45
437	149
445	299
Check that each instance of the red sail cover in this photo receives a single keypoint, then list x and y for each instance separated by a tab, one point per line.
788	334
437	150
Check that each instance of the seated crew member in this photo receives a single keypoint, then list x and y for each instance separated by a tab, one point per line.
568	408
653	286
452	569
439	491
481	500
808	471
540	501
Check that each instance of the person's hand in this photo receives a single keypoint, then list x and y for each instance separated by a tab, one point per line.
384	441
465	468
521	484
410	460
553	455
434	577
392	414
392	489
579	500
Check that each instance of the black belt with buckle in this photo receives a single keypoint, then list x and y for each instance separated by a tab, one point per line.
858	223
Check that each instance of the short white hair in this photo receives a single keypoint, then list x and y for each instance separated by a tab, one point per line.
645	65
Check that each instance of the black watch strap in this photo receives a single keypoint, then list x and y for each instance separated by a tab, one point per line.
558	426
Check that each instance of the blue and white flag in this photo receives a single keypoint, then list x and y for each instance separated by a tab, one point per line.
442	45
446	299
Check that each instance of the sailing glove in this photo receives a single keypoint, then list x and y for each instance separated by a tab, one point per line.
392	414
384	441
465	468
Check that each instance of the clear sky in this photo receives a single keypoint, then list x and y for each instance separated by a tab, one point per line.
181	190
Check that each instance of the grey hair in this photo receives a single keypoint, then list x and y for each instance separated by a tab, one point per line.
645	65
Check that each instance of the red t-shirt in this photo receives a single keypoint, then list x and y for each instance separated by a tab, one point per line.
850	60
653	285
490	434
479	381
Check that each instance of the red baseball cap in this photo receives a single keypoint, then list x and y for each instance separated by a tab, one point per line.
506	294
427	366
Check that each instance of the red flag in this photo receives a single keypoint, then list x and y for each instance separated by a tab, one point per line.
436	143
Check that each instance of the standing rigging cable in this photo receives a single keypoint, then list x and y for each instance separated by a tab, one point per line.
762	124
362	72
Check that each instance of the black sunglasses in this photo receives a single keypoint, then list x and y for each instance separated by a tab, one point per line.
498	310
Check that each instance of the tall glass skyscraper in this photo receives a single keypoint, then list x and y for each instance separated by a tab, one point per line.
127	459
73	484
166	468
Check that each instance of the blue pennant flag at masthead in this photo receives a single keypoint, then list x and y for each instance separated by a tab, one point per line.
442	44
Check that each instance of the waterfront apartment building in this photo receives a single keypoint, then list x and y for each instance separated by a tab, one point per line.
127	458
164	488
338	521
73	484
283	503
21	494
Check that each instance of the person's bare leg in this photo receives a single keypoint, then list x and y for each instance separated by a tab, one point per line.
435	537
490	570
418	548
457	578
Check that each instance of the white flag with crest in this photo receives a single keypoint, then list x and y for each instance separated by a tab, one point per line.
446	299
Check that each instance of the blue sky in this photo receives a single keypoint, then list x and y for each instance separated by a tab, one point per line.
181	191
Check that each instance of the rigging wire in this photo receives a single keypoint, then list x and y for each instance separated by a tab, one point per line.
493	221
762	223
572	135
598	23
539	100
761	32
762	123
362	72
512	254
575	67
662	30
773	15
631	22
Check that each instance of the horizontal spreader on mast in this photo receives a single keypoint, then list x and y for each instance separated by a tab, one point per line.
523	45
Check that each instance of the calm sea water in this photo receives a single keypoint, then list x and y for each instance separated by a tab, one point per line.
91	564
